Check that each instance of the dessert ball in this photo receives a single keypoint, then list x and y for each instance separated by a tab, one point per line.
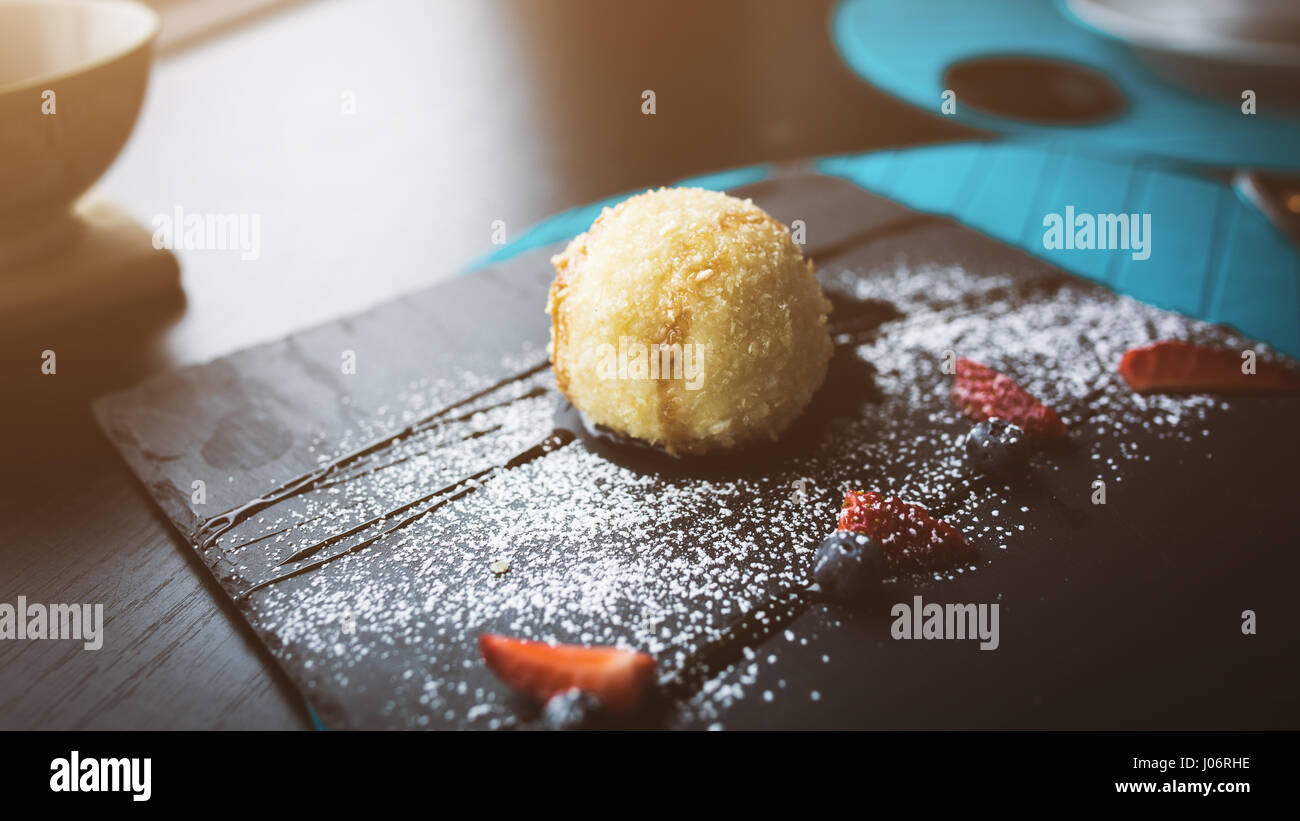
688	319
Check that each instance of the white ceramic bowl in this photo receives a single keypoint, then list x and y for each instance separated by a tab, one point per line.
94	55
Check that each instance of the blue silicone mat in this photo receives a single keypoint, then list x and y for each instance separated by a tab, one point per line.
1213	255
904	48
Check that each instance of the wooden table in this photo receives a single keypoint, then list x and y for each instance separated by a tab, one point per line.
465	113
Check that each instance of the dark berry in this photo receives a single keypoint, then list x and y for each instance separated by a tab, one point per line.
847	565
995	446
571	710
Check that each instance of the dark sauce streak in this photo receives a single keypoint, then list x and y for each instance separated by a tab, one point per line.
349	477
355	548
779	610
209	531
531	393
478	434
264	537
369	471
855	317
463	487
312	549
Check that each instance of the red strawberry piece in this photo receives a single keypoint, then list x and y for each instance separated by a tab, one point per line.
619	678
982	393
1180	367
908	535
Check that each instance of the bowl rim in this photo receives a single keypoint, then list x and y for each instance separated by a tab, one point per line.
142	42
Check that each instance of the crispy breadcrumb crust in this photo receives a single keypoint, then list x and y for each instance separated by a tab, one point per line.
693	267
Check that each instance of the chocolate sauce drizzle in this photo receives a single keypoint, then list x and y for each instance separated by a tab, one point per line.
207	533
444	495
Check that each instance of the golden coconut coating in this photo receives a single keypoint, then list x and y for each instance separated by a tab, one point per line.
688	319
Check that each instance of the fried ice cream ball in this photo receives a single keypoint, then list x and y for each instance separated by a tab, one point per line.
690	320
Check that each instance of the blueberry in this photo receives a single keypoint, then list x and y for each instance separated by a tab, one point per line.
848	565
571	710
995	446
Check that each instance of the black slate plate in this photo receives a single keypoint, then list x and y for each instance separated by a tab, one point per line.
386	494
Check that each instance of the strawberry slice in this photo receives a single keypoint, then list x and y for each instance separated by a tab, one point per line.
1171	366
908	535
982	393
619	678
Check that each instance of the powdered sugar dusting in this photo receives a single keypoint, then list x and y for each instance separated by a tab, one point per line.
597	552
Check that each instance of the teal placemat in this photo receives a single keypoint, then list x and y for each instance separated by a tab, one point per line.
1213	255
904	48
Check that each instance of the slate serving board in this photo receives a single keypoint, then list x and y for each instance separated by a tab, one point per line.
353	516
